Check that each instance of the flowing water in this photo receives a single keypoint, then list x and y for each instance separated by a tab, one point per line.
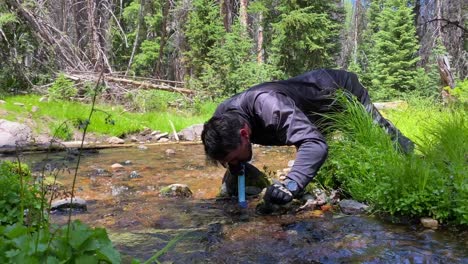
204	229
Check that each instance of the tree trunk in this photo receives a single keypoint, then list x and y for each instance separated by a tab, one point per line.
165	13
260	40
243	13
226	12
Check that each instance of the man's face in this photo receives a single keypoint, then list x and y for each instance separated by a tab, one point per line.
243	153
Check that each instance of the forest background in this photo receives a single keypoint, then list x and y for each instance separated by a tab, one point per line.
218	48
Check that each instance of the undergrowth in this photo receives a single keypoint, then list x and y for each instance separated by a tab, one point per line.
367	165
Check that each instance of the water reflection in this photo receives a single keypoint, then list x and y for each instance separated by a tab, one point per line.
140	222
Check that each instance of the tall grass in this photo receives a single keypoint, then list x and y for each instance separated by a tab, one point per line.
433	182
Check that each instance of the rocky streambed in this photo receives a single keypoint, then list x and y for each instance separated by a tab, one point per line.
128	191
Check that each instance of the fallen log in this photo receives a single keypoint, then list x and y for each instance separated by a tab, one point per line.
146	85
90	146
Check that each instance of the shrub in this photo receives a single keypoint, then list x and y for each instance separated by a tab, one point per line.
62	89
17	193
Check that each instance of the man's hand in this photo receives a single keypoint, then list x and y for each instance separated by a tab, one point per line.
278	194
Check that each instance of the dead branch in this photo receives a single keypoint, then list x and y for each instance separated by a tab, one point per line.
448	23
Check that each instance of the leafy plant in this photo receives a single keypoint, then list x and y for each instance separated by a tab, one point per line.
62	131
80	244
17	193
62	89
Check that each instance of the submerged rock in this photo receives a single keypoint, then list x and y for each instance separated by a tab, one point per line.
67	203
134	175
353	207
255	181
176	190
170	152
117	166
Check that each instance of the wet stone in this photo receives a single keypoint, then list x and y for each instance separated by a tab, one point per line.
176	190
117	166
134	175
64	204
352	207
170	152
428	222
127	162
100	173
142	147
118	190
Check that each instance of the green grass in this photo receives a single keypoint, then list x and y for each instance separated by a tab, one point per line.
431	182
52	114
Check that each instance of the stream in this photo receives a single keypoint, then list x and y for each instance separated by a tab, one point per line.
206	229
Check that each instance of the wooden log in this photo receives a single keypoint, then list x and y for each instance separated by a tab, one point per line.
68	145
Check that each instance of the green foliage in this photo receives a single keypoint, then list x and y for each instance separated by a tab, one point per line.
62	89
394	53
460	92
62	131
145	59
17	193
203	30
364	162
304	35
152	100
80	244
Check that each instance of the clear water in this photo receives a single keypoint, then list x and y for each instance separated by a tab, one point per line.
210	230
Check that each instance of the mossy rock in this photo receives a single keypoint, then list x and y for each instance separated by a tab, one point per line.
255	181
176	190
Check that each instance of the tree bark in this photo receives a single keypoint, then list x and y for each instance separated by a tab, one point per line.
165	12
243	13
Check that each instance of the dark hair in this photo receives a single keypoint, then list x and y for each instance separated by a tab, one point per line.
221	135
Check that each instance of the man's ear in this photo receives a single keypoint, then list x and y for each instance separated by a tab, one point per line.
244	132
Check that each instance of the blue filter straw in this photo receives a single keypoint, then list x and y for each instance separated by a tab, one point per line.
241	187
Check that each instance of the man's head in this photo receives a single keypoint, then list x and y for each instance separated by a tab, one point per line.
226	139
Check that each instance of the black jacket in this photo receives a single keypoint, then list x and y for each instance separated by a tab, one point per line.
285	113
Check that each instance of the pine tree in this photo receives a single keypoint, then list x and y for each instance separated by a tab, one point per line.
394	56
302	35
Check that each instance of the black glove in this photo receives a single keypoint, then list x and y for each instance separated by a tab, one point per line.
278	194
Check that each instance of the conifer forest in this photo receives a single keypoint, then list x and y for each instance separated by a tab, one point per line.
223	47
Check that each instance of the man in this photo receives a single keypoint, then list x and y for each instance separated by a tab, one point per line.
285	113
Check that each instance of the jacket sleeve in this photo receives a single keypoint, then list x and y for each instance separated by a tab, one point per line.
279	115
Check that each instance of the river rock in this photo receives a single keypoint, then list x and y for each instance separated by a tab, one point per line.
100	173
191	133
134	175
170	152
352	207
115	140
43	99
142	147
2	102
159	136
12	133
133	139
146	131
18	104
176	190
117	166
34	109
428	222
163	140
76	203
